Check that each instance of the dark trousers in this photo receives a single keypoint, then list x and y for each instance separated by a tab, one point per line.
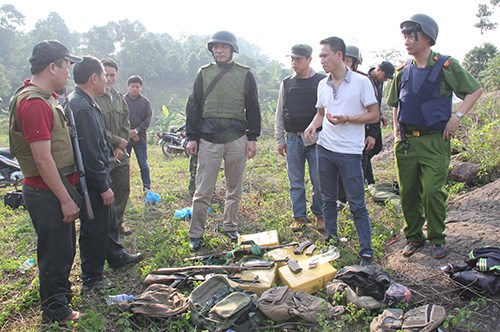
94	239
120	184
367	167
56	250
116	254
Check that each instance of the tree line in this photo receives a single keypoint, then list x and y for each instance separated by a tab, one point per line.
168	66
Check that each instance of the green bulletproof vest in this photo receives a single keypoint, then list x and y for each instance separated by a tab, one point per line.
227	99
61	148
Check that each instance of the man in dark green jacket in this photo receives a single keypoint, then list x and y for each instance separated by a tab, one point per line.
115	113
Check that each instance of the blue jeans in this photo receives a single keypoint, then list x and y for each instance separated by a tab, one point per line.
348	167
296	155
141	153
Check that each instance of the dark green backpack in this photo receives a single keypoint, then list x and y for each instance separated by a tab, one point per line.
219	304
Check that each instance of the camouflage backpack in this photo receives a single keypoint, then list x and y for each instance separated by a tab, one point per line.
219	304
425	318
281	304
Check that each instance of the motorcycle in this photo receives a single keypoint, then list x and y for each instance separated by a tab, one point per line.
10	171
174	142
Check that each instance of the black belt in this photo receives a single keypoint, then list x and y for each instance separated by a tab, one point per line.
420	132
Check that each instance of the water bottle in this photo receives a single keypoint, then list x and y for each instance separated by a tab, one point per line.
28	264
114	299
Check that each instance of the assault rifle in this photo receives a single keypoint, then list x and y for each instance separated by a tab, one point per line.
176	279
243	250
79	161
199	269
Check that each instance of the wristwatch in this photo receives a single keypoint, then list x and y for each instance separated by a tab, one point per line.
459	114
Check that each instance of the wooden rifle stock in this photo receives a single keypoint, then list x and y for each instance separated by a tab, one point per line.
79	161
255	265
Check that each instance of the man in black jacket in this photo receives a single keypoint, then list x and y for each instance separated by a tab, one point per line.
98	238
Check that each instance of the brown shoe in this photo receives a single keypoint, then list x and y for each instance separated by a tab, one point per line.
320	223
297	224
124	230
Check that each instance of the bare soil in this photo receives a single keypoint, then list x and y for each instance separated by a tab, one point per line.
473	221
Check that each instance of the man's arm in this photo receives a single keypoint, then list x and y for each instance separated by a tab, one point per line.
465	107
146	120
50	175
279	124
316	122
252	107
194	109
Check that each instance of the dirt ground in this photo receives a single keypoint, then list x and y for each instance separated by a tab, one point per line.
473	221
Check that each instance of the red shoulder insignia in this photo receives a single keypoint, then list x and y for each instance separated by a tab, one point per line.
447	63
401	66
436	58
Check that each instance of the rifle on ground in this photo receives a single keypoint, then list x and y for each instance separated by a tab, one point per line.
198	269
175	279
253	250
79	161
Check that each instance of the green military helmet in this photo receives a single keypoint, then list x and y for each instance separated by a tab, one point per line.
224	37
421	22
353	52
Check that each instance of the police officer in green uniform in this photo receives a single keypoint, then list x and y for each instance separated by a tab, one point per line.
421	94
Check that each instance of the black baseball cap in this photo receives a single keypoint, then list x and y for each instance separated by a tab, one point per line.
387	68
48	51
301	50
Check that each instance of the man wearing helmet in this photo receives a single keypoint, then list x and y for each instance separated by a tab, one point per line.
421	94
223	122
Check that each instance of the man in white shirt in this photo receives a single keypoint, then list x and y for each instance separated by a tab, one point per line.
346	101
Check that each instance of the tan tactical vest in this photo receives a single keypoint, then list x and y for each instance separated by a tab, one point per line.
61	148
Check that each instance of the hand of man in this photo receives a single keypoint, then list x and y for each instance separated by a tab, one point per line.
192	148
451	128
133	133
70	211
108	197
384	120
123	143
118	153
282	149
309	133
336	119
251	149
369	143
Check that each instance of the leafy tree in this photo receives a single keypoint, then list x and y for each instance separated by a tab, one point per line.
489	77
475	60
10	18
53	27
484	13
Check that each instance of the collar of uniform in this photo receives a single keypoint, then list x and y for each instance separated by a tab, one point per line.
311	74
226	64
347	77
86	96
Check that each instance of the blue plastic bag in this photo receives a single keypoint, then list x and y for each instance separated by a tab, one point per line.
152	197
183	213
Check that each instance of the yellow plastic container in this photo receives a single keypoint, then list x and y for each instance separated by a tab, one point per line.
263	239
309	280
266	279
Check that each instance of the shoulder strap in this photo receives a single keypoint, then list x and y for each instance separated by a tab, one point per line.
212	84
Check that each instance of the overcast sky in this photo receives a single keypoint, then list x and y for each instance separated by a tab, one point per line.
275	25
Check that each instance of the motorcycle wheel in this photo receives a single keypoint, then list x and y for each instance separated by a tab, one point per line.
167	151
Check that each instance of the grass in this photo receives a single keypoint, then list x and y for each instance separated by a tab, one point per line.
165	243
